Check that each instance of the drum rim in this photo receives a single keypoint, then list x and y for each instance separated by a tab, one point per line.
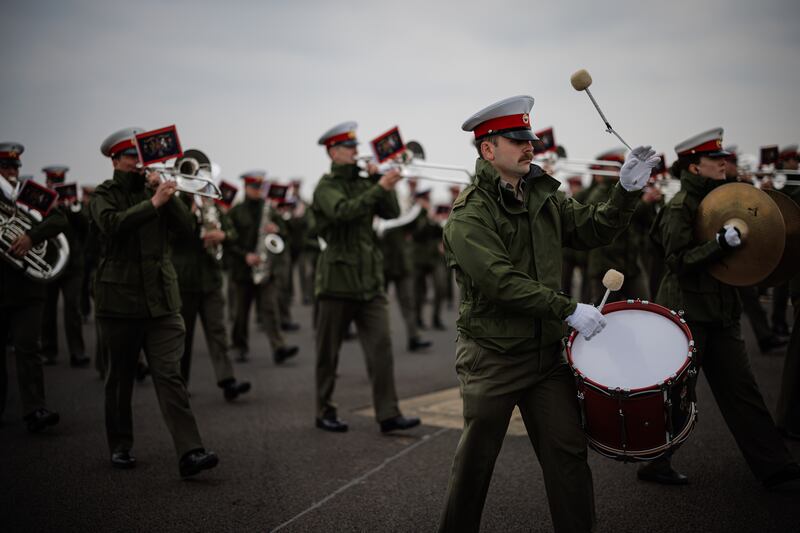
642	305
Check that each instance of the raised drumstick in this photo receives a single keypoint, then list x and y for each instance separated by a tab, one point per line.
612	281
581	81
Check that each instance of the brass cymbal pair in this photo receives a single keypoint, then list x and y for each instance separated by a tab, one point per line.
769	222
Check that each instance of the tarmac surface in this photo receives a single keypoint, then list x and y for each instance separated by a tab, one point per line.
277	472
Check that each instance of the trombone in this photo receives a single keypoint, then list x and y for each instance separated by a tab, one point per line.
192	173
406	164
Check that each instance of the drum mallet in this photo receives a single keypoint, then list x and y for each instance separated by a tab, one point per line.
581	81
612	281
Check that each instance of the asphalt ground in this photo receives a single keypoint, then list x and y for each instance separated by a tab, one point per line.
278	472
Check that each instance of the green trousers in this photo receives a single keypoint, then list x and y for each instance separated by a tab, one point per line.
19	328
70	287
723	358
372	321
210	307
755	313
543	388
404	292
162	340
266	296
788	414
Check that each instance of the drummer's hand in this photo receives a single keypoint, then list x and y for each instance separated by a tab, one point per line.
636	170
587	320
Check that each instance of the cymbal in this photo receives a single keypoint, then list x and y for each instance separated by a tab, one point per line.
760	222
789	265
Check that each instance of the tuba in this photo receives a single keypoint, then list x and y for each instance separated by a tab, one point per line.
43	262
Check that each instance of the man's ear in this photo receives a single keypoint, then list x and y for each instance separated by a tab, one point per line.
487	149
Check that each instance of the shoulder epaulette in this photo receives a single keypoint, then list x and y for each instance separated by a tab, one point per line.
461	200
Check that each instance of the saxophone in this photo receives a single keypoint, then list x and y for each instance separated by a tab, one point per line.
266	244
209	221
46	260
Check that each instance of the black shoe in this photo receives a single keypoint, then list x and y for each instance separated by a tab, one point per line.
123	460
415	343
290	326
785	480
196	461
661	472
398	423
421	324
438	326
332	424
771	343
142	371
40	419
79	361
282	354
232	389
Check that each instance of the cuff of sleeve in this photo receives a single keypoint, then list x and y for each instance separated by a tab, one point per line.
564	306
624	199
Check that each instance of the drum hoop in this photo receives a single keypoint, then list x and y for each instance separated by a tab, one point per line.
679	439
642	305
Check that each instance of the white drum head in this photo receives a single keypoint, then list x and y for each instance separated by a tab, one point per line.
636	349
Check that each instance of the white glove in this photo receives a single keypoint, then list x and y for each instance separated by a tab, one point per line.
635	171
729	237
587	320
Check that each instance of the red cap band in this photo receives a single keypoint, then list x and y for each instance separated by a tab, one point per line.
508	122
120	146
713	145
342	137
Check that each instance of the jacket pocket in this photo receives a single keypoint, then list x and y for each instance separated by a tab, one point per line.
482	327
340	274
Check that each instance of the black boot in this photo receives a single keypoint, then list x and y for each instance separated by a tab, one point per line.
284	353
332	423
399	423
194	462
231	388
40	419
415	343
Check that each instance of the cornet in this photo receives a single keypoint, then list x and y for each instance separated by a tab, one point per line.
192	174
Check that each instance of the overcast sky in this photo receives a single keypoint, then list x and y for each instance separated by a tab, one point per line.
254	84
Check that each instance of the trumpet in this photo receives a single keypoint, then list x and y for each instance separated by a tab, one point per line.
410	167
192	174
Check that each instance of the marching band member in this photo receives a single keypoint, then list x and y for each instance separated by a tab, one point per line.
712	310
504	239
427	243
69	283
21	307
246	219
198	264
349	279
138	303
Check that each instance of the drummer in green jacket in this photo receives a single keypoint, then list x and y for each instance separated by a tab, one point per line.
712	310
503	239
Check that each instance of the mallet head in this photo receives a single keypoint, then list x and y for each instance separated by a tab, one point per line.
613	280
581	80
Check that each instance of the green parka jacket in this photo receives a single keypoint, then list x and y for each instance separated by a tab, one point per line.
135	275
351	266
507	256
687	285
